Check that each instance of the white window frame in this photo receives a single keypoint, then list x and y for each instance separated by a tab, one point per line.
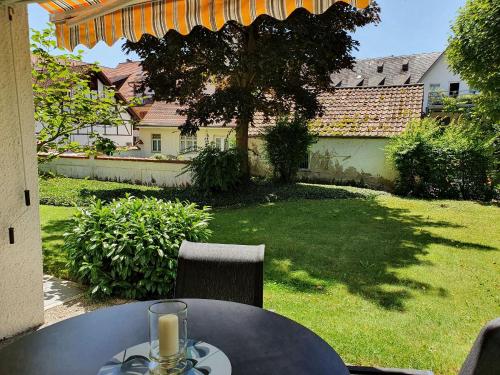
221	143
457	92
188	143
156	143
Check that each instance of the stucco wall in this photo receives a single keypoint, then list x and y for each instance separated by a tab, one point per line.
156	172
339	160
21	294
170	139
441	74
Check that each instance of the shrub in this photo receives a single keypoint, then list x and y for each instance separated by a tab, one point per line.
129	247
214	170
435	161
286	146
469	160
104	145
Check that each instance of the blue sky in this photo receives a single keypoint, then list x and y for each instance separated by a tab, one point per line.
408	26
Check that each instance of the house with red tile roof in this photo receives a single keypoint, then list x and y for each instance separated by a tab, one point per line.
356	124
372	102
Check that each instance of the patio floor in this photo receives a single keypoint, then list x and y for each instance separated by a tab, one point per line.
57	291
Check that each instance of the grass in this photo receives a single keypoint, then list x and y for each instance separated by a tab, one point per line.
54	223
386	281
62	191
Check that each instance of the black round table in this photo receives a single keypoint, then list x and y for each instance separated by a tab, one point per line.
255	340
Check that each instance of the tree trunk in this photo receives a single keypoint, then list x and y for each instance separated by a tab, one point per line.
242	146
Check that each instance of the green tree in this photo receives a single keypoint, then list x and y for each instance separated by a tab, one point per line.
474	53
287	144
64	99
268	67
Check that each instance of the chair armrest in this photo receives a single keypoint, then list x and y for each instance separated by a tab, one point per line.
364	370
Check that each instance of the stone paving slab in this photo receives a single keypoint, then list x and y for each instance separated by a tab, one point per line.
57	291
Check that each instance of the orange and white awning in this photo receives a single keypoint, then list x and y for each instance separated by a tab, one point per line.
89	21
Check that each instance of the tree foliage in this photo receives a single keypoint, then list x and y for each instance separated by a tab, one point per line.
435	161
286	146
63	97
474	47
269	67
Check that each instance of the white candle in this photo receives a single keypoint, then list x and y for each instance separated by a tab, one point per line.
168	334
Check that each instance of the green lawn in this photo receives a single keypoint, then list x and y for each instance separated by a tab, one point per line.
386	281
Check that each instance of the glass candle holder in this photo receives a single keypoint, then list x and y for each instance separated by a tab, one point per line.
168	336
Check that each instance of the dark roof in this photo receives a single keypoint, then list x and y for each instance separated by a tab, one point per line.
368	72
382	111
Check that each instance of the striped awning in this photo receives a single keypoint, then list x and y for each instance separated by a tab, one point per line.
90	21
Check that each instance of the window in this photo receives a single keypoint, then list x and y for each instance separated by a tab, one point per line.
188	143
380	68
434	87
220	143
304	164
155	143
406	66
454	89
435	94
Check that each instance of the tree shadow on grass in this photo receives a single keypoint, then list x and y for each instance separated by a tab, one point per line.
255	193
358	243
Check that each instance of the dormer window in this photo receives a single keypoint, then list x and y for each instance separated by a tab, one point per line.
406	66
380	68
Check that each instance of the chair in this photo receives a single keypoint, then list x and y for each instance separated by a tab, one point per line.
483	359
221	271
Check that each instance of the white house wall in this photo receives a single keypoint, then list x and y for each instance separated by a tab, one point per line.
338	160
440	73
170	139
21	293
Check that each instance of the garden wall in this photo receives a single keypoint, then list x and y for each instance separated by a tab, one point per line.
135	170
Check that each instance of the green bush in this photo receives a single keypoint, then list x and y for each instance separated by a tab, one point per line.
129	247
104	145
286	146
436	161
214	170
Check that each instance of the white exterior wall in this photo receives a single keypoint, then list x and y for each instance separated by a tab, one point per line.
170	139
21	293
441	74
339	160
146	172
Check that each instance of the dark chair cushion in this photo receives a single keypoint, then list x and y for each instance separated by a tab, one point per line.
221	271
484	357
